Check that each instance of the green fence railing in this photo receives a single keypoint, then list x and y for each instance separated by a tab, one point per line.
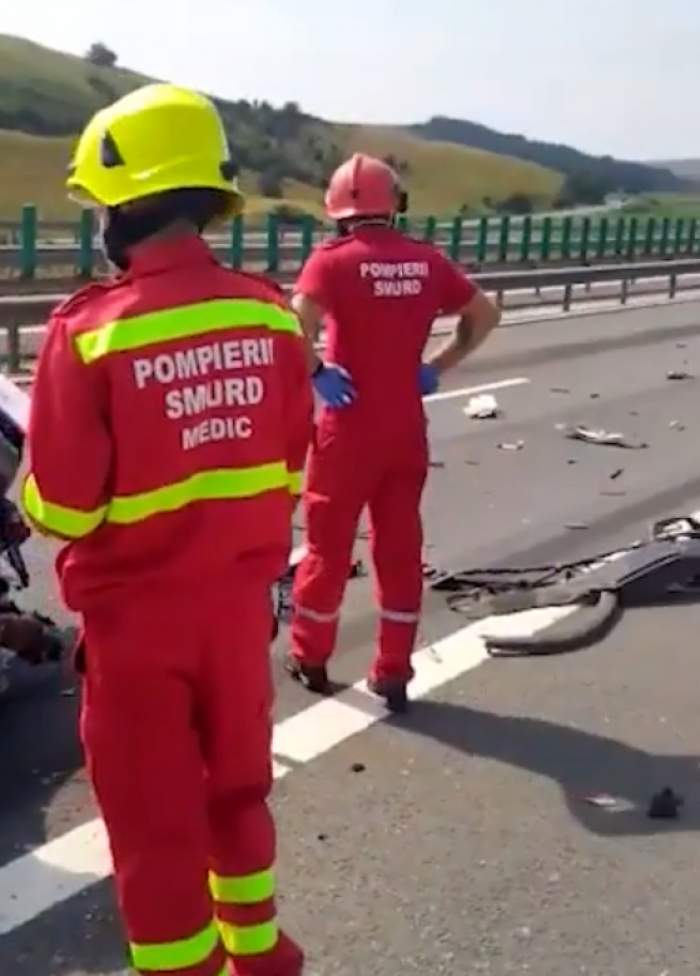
29	246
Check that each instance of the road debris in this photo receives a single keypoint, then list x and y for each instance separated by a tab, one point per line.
600	437
483	407
613	494
357	570
572	461
559	389
472	464
576	526
678	374
681	345
613	804
665	805
436	464
595	396
617	474
508	446
358	767
677	425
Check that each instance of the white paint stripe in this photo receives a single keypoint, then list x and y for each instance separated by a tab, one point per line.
483	388
63	867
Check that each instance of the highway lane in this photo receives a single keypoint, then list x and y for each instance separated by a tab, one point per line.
467	848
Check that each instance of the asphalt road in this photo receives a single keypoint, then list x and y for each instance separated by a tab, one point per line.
466	843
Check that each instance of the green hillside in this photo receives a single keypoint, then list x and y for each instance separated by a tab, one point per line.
286	155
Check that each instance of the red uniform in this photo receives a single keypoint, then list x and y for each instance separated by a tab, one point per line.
170	421
381	292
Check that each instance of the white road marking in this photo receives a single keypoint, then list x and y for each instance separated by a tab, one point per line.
470	390
63	867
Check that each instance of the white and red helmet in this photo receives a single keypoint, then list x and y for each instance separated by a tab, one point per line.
364	187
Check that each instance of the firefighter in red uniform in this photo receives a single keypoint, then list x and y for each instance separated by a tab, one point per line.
170	421
379	292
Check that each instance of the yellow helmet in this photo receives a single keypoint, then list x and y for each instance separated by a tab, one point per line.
155	139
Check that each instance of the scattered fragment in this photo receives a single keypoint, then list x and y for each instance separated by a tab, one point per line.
322	837
616	474
357	768
607	802
678	374
595	396
483	407
436	464
517	446
576	526
357	569
613	494
572	461
677	425
681	345
665	805
473	464
559	389
634	413
600	437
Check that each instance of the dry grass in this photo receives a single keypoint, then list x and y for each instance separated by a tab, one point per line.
442	177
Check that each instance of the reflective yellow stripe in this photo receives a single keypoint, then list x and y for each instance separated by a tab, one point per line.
73	523
249	940
204	486
247	889
182	323
296	482
169	956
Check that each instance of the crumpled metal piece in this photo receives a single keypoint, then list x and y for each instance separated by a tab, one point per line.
483	407
600	437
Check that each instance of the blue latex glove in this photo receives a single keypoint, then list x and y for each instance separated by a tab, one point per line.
334	385
429	379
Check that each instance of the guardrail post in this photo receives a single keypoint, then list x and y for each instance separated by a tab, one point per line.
620	229
307	238
568	293
672	285
85	253
237	232
526	238
273	243
585	238
665	232
692	236
504	240
624	290
650	237
456	239
546	242
603	229
429	232
403	224
13	348
28	242
566	229
482	244
632	238
678	236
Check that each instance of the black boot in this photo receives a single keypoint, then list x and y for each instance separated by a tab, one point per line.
313	677
393	691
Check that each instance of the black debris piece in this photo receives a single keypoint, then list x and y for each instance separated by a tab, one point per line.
617	474
665	805
678	374
358	768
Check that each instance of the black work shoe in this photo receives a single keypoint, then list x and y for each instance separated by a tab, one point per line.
393	691
313	677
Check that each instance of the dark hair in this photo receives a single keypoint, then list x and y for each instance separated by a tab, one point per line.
200	206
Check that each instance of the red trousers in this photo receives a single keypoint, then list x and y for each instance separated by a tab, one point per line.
177	731
344	475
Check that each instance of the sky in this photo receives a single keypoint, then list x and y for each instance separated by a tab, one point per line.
608	76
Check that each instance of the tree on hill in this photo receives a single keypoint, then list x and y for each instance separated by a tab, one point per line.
100	55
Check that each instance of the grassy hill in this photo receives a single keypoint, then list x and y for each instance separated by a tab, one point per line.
685	169
286	155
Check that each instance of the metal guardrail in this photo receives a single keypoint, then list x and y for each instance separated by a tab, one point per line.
21	315
29	247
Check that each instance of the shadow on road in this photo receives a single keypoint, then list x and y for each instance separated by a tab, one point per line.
39	753
581	763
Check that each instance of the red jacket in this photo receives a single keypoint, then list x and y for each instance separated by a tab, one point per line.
170	420
381	292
